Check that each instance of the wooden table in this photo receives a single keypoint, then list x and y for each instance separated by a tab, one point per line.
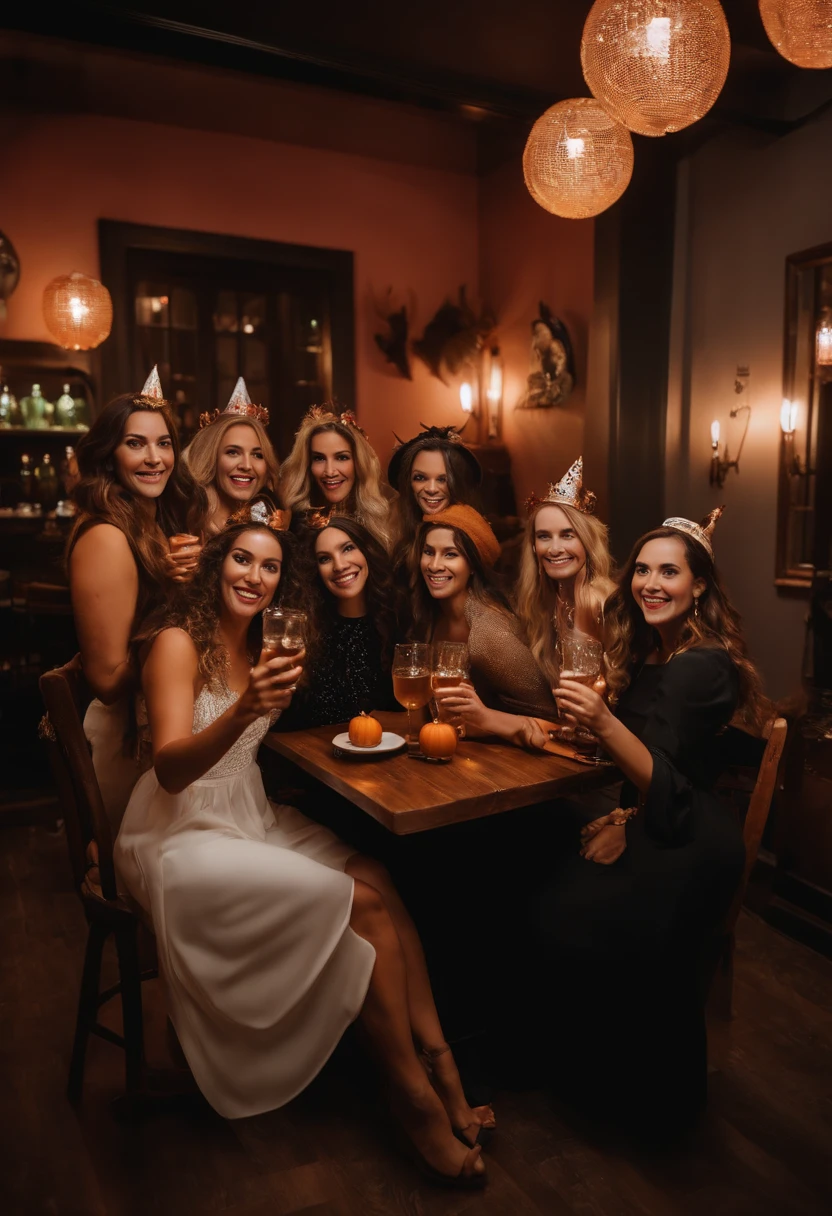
406	796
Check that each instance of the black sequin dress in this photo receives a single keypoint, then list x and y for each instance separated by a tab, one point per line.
346	674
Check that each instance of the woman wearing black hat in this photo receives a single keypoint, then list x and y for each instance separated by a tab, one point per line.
431	472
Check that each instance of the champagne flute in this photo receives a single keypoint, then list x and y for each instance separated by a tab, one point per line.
450	668
581	660
411	684
284	632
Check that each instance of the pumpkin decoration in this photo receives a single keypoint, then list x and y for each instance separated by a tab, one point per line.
365	731
438	740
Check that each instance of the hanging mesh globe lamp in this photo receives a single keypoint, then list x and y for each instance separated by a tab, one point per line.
656	65
801	30
78	311
578	161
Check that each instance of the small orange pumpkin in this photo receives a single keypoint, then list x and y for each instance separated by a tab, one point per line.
365	731
438	740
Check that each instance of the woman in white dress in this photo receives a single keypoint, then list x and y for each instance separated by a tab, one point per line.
130	498
272	935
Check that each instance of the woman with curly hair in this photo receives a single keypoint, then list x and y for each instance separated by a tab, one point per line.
454	599
332	467
627	922
131	497
353	628
431	472
272	935
565	570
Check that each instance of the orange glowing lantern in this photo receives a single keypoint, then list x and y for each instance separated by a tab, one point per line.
578	161
801	30
78	311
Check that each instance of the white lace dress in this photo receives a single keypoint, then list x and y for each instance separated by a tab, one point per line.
250	906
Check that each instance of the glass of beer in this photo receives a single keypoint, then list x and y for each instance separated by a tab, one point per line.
284	632
411	684
450	668
581	660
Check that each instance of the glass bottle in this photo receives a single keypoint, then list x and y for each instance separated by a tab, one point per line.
9	409
46	483
65	409
68	470
33	409
82	413
27	487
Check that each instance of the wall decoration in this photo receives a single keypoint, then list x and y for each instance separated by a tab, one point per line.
801	30
453	337
9	272
577	161
656	67
552	365
393	344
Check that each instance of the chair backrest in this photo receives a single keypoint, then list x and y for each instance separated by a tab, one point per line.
774	732
66	695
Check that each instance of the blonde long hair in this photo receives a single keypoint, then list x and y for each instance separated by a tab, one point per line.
536	593
366	503
201	455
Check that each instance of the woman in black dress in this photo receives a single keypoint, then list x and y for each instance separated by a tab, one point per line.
353	628
627	921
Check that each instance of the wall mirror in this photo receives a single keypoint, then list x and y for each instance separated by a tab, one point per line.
807	395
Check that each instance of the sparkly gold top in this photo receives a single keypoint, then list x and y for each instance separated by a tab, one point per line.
503	670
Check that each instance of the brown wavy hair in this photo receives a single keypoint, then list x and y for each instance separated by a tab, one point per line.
424	609
196	606
380	589
101	498
462	486
630	639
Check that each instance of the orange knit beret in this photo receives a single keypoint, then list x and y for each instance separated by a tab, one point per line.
474	525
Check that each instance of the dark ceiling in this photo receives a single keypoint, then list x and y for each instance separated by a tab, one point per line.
498	59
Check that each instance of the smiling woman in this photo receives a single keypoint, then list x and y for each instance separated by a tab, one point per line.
431	472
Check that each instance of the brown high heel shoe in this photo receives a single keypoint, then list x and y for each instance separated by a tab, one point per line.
483	1128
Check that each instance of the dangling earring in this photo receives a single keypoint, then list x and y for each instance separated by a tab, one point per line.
696	605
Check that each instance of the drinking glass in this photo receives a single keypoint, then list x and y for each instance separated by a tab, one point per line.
411	684
581	660
284	632
450	668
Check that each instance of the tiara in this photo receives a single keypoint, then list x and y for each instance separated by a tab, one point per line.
151	396
326	413
239	405
701	532
261	512
569	492
449	434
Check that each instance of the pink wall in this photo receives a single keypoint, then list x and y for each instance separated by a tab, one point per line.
527	255
412	228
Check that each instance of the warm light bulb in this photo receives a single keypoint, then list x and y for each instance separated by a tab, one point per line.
788	416
658	39
495	388
575	148
824	343
466	397
714	434
78	309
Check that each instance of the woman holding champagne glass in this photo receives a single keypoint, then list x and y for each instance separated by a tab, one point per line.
273	936
454	599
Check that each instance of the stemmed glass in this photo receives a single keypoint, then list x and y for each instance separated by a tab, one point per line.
450	668
284	632
411	684
581	660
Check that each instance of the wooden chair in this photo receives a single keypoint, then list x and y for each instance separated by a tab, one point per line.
66	696
722	982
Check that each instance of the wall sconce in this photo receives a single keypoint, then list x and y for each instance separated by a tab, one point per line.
823	341
720	466
493	379
792	463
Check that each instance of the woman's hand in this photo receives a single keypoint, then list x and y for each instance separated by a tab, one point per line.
182	561
592	829
583	705
606	843
462	701
271	684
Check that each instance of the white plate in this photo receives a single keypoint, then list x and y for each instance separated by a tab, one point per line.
390	742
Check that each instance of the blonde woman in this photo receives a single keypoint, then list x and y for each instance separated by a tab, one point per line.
332	467
232	459
565	569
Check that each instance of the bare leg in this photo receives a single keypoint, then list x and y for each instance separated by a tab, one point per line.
425	1026
386	1019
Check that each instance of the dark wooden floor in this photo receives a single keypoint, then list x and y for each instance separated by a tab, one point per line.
765	1149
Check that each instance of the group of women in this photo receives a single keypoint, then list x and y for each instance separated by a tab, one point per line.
274	935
